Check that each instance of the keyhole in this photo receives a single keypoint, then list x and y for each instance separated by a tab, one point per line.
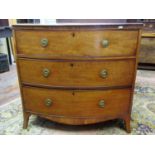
73	34
73	93
71	64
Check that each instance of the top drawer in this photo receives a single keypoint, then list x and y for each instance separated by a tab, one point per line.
89	43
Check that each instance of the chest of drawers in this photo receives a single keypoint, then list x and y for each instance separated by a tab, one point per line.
77	74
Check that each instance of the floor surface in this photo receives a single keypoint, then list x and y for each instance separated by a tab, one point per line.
9	87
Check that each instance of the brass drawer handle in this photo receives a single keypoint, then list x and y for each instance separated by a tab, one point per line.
48	102
101	103
104	73
46	72
44	42
105	43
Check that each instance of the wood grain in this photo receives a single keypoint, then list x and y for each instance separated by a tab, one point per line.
70	73
76	43
77	103
75	57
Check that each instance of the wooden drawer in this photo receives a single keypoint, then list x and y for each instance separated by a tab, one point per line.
90	103
77	73
76	43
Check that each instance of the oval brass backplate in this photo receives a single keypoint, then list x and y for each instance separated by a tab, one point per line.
104	73
44	42
101	103
46	72
105	43
48	102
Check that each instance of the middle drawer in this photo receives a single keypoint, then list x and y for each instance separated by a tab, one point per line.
77	73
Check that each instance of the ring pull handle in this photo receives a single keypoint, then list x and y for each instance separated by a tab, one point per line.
44	42
46	72
101	103
48	102
105	43
104	73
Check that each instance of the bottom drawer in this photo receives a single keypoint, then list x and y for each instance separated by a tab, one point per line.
77	103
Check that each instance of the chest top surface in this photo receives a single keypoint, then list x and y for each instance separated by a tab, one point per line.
80	25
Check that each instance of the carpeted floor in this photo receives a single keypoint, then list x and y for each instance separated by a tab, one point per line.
143	116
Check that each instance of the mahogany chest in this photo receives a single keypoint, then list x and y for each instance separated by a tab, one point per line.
77	74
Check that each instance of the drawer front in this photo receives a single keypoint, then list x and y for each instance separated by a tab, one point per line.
91	103
77	73
78	43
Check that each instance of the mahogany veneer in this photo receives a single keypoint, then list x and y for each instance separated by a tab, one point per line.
77	74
